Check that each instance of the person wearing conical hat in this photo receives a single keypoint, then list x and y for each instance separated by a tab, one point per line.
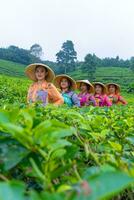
86	93
67	86
114	94
42	90
100	95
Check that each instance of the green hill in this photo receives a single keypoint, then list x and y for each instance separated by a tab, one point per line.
11	68
105	73
123	76
13	83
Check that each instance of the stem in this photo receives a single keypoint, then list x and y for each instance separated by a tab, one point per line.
43	153
77	173
79	138
2	177
94	157
37	170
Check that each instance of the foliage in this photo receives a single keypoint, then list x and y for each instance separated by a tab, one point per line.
122	76
36	50
67	56
132	64
80	153
60	153
13	90
114	62
18	55
89	65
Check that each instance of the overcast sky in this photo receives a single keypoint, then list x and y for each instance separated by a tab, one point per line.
103	27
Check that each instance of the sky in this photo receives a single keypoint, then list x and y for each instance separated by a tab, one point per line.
103	27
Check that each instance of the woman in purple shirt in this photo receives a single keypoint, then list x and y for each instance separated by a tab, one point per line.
67	86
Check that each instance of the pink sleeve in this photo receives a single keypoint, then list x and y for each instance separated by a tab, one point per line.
83	100
107	101
122	100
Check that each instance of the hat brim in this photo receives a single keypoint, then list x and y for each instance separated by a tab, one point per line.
91	89
58	79
30	72
103	86
116	85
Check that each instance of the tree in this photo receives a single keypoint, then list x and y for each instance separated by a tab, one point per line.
89	65
36	50
67	56
132	64
19	55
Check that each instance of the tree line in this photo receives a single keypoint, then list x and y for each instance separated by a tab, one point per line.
66	59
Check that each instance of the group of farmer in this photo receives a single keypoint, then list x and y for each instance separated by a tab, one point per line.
62	89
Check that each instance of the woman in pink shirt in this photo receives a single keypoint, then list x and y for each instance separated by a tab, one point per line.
100	95
86	93
114	94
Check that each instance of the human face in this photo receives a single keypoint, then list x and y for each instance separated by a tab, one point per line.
40	73
112	89
64	83
83	87
98	89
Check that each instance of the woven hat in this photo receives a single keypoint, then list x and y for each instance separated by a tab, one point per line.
91	89
30	72
116	86
102	85
58	79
